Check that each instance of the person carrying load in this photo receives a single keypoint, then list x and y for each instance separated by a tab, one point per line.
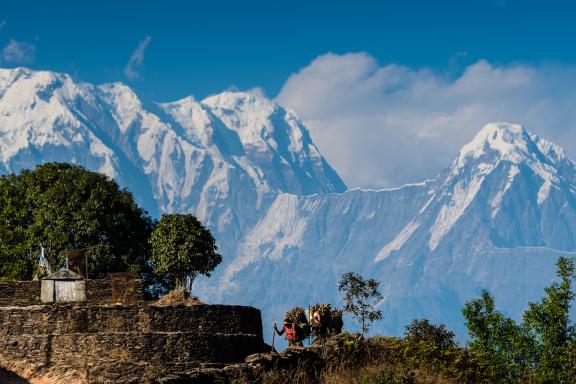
325	322
295	327
289	329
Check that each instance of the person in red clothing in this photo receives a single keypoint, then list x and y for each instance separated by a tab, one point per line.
289	329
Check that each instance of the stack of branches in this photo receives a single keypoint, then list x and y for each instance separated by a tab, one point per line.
331	318
296	315
336	314
326	312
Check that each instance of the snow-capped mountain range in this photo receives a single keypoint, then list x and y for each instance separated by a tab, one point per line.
497	218
224	158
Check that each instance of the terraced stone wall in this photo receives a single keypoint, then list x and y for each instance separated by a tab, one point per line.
19	293
122	344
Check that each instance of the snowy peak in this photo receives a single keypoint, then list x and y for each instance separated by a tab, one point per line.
501	140
196	119
279	140
10	76
502	159
38	114
186	148
28	87
250	115
508	142
496	220
512	144
242	101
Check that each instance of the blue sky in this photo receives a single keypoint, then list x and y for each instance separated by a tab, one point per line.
390	90
203	47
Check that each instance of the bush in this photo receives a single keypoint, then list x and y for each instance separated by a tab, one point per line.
422	331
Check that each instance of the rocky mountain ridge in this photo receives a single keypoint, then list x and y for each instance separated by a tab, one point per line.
496	218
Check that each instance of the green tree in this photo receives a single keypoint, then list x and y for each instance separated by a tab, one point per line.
67	207
15	259
184	248
422	331
497	338
360	297
542	348
548	323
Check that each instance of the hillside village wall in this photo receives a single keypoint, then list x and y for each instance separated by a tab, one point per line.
24	293
122	344
19	293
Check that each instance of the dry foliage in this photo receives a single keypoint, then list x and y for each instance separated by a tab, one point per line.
296	315
178	296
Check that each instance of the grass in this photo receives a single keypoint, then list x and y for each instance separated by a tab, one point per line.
352	359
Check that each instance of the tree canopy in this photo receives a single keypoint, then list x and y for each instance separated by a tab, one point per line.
542	347
64	207
184	248
360	297
422	331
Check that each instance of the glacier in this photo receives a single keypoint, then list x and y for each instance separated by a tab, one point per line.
496	218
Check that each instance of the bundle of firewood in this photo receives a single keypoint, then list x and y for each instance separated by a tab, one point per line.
326	312
296	315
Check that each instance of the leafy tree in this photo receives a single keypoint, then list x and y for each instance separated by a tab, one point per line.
422	331
15	259
360	296
183	248
497	338
542	348
548	323
67	207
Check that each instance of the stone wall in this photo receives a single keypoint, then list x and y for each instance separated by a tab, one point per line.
62	318
24	293
135	343
19	293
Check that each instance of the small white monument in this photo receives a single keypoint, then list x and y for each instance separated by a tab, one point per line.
63	286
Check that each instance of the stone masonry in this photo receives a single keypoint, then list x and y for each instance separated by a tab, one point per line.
127	343
19	293
24	293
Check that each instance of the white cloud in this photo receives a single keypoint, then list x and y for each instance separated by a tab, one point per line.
3	24
257	91
19	52
383	126
136	60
